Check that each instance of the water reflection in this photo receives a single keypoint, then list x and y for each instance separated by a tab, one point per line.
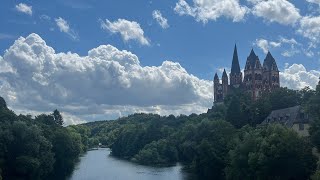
99	165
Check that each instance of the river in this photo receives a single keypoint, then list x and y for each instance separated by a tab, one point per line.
99	165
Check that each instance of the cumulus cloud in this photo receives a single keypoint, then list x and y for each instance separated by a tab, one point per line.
280	11
205	10
24	8
129	30
263	44
297	77
289	44
106	83
163	22
310	28
63	26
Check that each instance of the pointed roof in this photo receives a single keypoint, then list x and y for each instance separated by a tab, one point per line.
235	68
224	74
216	76
252	58
270	63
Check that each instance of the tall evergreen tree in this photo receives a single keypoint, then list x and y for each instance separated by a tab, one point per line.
57	117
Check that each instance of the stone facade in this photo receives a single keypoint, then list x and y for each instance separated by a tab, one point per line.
257	78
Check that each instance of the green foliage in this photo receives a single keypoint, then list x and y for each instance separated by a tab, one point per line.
67	147
57	117
205	146
316	175
3	104
36	148
159	152
226	142
241	110
272	152
313	108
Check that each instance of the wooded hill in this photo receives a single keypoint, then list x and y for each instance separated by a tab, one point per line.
227	142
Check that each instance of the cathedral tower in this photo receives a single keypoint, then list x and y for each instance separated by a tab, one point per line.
217	89
253	75
236	74
225	83
270	77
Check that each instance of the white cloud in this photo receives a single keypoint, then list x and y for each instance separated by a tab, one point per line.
24	8
290	46
310	28
45	17
297	77
205	10
129	30
290	52
280	11
275	44
263	44
163	22
64	27
106	83
314	1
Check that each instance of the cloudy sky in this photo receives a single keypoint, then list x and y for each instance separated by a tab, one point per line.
96	60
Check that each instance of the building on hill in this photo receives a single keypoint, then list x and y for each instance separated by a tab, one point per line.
293	117
256	79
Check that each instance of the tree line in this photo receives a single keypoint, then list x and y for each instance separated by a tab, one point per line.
227	142
36	148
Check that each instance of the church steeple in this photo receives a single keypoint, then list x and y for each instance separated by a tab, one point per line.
216	77
235	74
235	68
224	74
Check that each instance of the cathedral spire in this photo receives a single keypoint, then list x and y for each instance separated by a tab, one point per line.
270	63
216	77
235	68
224	74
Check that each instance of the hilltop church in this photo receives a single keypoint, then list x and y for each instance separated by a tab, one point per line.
256	78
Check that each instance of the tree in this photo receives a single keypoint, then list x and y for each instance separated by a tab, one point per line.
235	114
28	155
3	103
57	117
272	152
67	148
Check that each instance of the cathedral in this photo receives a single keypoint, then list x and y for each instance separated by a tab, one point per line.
256	79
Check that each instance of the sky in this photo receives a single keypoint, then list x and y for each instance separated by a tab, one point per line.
97	60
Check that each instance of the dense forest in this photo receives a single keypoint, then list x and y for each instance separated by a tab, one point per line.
227	142
36	148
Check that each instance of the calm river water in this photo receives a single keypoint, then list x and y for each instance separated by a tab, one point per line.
98	165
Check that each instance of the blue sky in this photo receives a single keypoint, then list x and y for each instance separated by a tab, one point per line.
198	35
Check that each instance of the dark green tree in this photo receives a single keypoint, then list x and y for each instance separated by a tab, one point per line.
272	152
57	117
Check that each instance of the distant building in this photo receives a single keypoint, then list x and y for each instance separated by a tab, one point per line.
257	78
293	117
